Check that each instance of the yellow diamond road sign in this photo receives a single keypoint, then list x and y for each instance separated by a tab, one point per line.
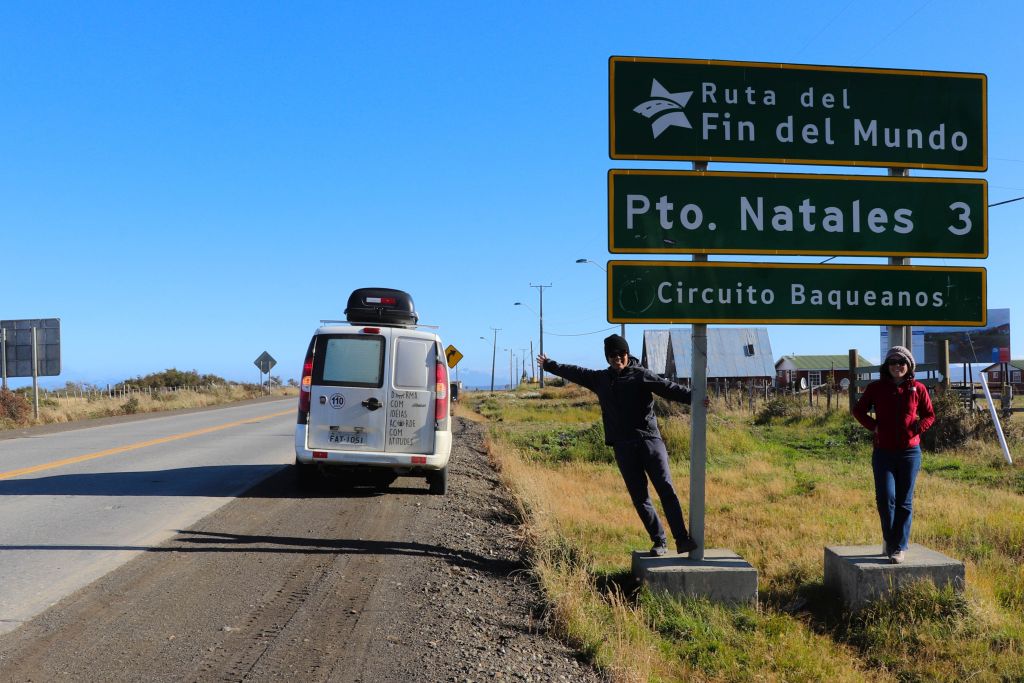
453	356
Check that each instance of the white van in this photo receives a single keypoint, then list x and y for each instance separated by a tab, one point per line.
374	397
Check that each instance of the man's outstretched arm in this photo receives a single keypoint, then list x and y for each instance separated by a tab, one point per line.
574	373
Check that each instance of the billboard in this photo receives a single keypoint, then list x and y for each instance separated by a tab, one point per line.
966	344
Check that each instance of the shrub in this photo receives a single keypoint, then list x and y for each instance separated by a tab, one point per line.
131	406
954	424
14	407
780	408
664	408
172	377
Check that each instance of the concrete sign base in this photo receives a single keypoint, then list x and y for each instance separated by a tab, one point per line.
861	574
722	576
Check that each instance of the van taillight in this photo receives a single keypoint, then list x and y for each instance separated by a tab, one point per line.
305	386
441	396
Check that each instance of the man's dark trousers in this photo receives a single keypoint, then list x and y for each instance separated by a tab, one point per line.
647	458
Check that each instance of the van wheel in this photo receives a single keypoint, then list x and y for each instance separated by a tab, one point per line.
438	481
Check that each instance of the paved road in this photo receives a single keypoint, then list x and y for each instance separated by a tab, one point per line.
76	504
319	584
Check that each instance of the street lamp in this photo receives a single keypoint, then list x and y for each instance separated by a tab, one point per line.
598	265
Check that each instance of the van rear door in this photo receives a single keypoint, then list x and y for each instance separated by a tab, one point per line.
348	396
410	413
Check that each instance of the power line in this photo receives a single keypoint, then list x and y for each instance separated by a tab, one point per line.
822	29
1007	201
894	30
582	334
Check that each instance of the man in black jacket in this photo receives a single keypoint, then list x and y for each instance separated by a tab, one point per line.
625	391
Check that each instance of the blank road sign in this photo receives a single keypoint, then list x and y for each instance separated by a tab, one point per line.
265	362
18	346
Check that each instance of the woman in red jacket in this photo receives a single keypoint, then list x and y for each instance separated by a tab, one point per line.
903	411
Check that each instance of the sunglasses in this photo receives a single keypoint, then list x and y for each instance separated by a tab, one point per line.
893	361
617	354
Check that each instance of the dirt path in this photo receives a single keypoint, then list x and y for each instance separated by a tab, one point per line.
327	586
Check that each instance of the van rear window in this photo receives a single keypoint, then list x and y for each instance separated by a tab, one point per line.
355	360
413	363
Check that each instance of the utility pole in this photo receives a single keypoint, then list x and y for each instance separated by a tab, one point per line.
533	363
540	288
509	369
494	351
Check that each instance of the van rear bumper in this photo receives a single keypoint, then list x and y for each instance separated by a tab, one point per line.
397	461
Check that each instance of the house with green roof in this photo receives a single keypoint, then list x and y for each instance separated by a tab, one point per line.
1014	372
804	371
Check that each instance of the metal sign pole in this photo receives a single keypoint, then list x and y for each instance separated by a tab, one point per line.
3	355
35	376
901	334
698	422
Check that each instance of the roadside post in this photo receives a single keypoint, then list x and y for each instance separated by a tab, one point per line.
35	375
3	355
716	111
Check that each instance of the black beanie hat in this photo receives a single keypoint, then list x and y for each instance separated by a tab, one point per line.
615	343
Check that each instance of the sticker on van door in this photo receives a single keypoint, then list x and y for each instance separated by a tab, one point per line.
337	401
402	422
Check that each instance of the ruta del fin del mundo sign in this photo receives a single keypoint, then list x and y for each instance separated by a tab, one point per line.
706	110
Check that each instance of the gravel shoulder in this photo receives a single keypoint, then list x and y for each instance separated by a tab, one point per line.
328	585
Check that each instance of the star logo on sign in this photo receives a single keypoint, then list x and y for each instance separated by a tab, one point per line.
665	108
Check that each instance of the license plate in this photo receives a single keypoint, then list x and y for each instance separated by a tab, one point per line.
347	437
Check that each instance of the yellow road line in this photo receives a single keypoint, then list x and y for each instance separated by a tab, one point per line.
134	446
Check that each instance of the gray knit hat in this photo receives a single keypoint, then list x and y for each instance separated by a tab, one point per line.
902	353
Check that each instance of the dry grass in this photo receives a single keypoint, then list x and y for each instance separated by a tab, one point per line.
776	495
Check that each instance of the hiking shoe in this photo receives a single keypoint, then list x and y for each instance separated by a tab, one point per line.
686	545
659	549
897	557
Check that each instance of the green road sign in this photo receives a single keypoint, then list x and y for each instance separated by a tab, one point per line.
763	213
785	293
786	113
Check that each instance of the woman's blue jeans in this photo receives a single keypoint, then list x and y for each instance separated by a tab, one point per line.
895	475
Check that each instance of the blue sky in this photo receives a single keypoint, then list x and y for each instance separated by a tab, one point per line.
190	184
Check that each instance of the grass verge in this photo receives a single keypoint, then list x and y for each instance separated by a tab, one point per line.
777	492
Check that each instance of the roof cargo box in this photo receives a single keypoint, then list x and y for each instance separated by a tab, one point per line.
382	306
